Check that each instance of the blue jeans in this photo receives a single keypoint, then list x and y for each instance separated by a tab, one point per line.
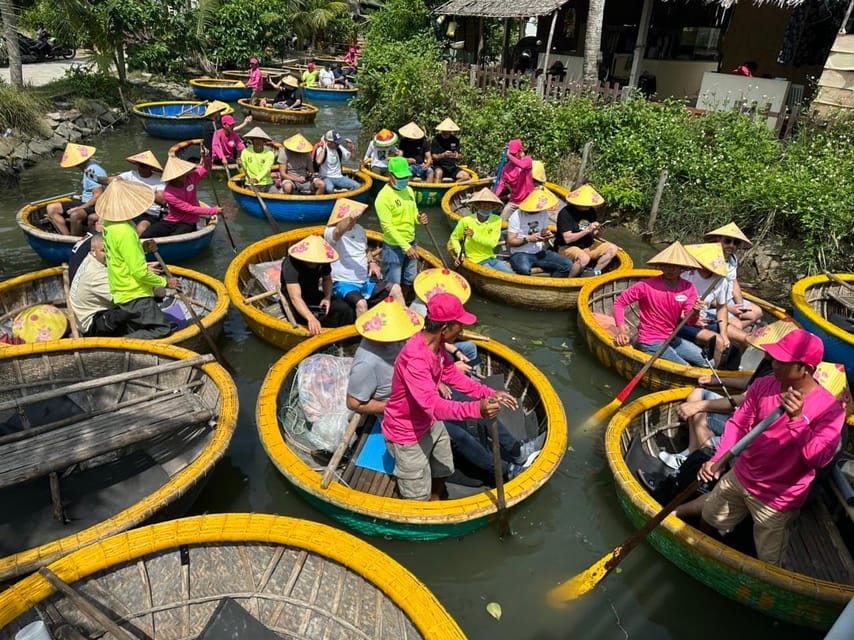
498	265
679	351
340	183
469	350
549	261
398	268
418	171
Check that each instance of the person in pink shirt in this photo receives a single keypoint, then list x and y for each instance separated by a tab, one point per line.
771	479
516	175
256	79
414	435
662	302
182	199
227	145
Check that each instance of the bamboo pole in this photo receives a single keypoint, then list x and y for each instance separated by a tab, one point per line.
339	451
656	201
582	169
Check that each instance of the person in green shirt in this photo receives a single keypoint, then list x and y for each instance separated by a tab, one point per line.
132	284
310	76
475	237
398	214
258	160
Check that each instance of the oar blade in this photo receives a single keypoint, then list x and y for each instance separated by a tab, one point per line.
582	583
602	415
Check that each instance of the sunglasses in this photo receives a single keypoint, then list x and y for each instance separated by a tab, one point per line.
732	241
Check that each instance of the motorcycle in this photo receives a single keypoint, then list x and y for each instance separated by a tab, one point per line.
44	48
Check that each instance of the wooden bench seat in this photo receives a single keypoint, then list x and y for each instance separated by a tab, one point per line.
816	547
375	483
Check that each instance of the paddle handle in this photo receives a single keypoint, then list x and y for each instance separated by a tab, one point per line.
216	198
503	521
286	305
270	219
339	450
500	170
436	245
837	280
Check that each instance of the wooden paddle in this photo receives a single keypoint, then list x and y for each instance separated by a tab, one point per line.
580	584
219	204
272	221
503	520
286	306
339	451
837	280
192	107
500	169
435	244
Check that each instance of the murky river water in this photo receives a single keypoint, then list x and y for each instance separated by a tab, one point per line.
560	531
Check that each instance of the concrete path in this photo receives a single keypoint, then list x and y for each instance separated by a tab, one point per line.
40	73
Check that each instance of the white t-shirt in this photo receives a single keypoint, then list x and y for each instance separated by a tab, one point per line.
153	181
379	156
731	275
352	263
524	224
331	166
718	296
326	77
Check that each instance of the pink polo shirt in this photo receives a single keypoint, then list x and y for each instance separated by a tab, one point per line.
780	465
415	403
227	147
183	201
517	174
256	79
661	307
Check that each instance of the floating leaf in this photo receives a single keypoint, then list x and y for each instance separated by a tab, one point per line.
539	343
563	345
570	448
494	609
618	570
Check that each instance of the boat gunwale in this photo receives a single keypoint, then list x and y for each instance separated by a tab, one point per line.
217	83
357	174
310	110
799	294
421	185
137	110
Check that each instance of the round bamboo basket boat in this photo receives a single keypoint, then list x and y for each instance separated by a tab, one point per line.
427	194
131	430
379	510
173	119
597	297
224	89
264	315
817	298
207	296
455	201
781	593
191	151
169	581
305	114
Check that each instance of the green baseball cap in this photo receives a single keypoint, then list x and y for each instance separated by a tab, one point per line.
399	167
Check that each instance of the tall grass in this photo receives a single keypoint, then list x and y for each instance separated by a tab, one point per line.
21	110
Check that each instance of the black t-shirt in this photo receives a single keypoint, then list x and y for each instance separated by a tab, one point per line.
208	134
288	95
79	252
415	149
441	145
307	276
573	220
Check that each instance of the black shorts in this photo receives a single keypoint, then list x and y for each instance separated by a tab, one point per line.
66	206
162	228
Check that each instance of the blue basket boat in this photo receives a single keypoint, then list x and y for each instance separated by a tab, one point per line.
173	119
329	95
224	89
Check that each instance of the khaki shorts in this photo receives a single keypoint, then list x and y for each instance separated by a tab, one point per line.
415	465
595	251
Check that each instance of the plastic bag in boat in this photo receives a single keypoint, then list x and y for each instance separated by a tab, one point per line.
322	383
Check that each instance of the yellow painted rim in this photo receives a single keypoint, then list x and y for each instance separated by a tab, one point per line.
395	509
799	300
137	109
404	589
434	185
308	110
141	511
217	83
284	197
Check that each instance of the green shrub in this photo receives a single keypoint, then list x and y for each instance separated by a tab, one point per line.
21	110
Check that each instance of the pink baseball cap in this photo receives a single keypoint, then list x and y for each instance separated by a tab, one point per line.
228	120
253	60
514	146
310	65
797	346
446	307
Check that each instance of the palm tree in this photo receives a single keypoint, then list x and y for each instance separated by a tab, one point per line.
10	34
313	16
593	41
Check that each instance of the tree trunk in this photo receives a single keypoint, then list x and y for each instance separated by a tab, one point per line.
10	23
121	67
593	41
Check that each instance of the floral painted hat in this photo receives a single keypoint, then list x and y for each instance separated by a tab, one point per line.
297	143
346	208
539	200
771	333
76	154
313	249
432	281
412	131
147	158
538	170
585	196
389	321
710	255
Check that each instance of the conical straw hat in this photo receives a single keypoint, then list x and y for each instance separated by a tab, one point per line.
291	81
40	323
345	208
175	168
297	143
710	255
730	230
123	200
831	376
75	154
538	170
217	106
147	158
585	196
411	131
432	281
539	200
771	333
675	255
257	132
389	321
385	138
485	196
447	125
313	249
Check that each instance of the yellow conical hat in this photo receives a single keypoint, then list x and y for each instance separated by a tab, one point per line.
771	333
539	200
345	208
313	249
40	323
538	170
730	230
585	196
147	158
710	255
175	168
485	196
389	321
123	200
257	132
831	376
297	143
411	131
432	281
447	125
675	255
217	106
75	154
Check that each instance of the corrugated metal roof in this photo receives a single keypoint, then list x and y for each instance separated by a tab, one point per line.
498	8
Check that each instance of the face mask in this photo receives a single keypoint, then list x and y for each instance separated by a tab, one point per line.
400	183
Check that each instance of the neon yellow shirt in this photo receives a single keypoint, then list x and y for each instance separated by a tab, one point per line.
309	78
480	246
398	214
127	270
258	165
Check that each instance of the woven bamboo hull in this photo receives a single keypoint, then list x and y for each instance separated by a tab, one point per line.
181	458
397	517
45	286
304	115
223	89
812	306
55	248
173	119
597	296
427	194
265	317
783	594
329	95
299	579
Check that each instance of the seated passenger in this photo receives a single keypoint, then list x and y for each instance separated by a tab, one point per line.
296	169
147	171
90	296
326	78
381	148
341	80
182	180
732	239
330	154
310	76
70	217
528	237
257	160
475	237
414	148
226	144
579	234
446	153
288	96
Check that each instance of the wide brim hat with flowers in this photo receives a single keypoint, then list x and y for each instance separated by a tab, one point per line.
123	200
771	333
585	196
538	170
710	255
485	196
389	321
675	255
75	154
345	208
539	200
385	138
831	376
297	143
313	249
432	281
447	125
730	230
257	132
175	168
39	323
147	158
412	131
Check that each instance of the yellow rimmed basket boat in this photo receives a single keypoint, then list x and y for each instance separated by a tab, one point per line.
260	307
305	114
191	151
427	194
207	296
100	435
811	592
826	308
223	89
366	500
271	576
597	298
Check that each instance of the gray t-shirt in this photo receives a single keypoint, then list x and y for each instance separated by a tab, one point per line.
526	224
372	369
